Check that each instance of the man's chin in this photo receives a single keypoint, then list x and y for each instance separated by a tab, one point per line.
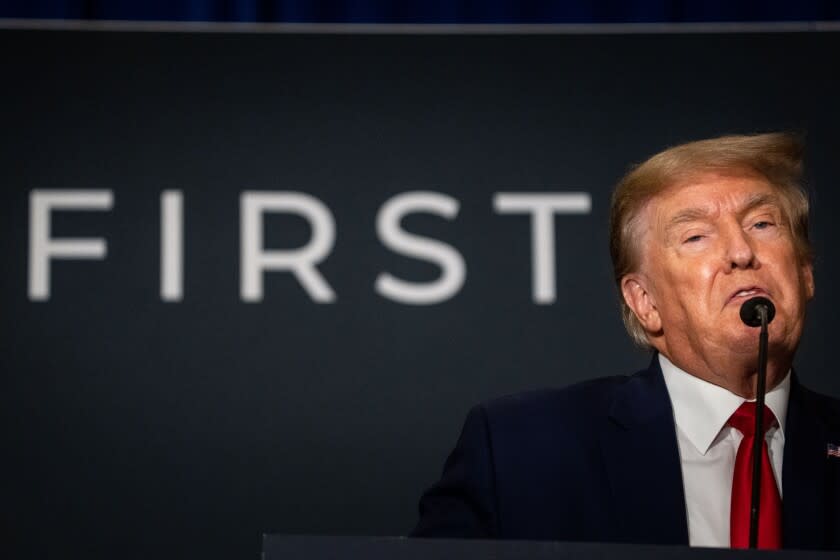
742	343
743	340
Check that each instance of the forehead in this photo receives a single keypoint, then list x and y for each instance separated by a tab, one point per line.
709	195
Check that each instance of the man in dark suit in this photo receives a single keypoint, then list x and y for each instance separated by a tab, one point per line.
663	456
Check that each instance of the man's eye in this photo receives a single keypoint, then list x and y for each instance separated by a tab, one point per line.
693	239
763	225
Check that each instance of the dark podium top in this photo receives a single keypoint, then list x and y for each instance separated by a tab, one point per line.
283	547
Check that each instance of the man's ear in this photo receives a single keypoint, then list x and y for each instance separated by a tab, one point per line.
808	279
637	295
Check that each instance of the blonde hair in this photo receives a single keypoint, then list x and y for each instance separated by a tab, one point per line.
776	157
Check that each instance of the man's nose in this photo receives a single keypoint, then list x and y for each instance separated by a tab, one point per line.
740	252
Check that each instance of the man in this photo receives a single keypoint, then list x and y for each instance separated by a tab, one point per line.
663	456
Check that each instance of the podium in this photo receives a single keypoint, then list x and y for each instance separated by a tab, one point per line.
286	547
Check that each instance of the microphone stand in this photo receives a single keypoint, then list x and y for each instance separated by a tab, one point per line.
758	440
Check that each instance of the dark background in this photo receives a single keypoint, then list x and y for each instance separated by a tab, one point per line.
142	428
428	11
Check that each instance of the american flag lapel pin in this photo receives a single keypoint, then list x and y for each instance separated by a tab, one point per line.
832	450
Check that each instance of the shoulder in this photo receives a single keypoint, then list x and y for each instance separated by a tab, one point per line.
824	407
545	418
577	395
579	404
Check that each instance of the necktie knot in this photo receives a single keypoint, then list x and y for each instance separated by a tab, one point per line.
743	419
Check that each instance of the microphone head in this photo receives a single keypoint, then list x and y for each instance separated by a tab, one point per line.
749	311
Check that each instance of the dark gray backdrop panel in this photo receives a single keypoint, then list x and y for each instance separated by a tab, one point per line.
135	425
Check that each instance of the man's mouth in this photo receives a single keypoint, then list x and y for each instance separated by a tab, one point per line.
747	292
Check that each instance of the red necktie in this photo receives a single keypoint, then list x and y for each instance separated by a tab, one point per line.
770	510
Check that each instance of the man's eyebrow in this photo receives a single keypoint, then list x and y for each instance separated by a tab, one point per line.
694	214
758	200
687	215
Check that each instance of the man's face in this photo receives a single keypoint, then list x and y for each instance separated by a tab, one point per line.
709	245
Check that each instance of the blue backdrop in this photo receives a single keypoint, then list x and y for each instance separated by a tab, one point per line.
428	11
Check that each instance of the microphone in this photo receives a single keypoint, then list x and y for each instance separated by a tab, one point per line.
758	312
750	313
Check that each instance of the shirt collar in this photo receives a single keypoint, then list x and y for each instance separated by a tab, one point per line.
701	409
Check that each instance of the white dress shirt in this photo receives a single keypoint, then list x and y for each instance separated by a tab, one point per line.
708	448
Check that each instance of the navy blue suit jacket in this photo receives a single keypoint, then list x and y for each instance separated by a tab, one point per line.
599	461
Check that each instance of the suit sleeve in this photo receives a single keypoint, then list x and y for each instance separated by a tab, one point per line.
463	504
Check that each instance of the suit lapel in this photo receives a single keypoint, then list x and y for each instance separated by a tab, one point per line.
804	475
642	460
